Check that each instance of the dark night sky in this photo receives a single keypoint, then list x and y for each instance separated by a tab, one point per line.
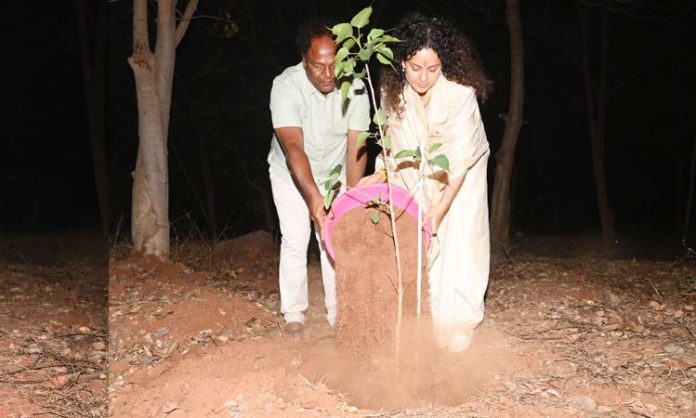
221	100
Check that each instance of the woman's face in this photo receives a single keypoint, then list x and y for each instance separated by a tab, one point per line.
422	70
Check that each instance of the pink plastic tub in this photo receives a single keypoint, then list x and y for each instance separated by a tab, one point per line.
357	197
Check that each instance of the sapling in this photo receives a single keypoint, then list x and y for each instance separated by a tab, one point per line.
353	52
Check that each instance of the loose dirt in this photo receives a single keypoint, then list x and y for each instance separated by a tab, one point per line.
565	335
367	280
53	337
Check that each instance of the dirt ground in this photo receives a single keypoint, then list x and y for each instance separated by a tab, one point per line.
567	333
53	349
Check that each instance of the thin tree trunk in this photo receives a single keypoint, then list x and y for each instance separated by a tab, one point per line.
505	157
93	72
153	83
596	115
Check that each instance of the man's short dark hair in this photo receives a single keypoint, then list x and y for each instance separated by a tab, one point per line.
314	28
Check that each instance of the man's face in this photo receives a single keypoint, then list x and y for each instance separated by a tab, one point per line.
319	64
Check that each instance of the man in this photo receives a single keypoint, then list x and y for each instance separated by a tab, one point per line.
314	130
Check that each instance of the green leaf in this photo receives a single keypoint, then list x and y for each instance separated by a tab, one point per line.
361	138
379	118
360	74
365	54
342	31
329	198
387	141
405	153
345	88
362	18
327	184
349	43
381	58
336	170
441	161
434	147
389	38
375	217
338	71
385	50
349	65
341	55
374	33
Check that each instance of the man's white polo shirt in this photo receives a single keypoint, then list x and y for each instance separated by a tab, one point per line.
324	120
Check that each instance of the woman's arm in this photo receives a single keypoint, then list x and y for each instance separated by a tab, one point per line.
439	210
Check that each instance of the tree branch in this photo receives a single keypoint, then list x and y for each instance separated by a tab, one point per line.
185	20
140	36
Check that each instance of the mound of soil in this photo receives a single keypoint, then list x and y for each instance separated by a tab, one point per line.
367	280
253	248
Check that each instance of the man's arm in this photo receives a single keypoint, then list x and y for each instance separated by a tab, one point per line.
292	142
356	159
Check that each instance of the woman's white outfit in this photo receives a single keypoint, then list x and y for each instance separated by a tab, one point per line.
458	258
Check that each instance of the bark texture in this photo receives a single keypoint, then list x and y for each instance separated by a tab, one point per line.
154	73
505	157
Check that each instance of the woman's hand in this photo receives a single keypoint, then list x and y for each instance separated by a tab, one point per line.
434	217
377	177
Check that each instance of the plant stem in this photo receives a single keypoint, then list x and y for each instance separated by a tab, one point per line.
392	218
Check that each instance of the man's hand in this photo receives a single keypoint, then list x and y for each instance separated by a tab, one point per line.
318	213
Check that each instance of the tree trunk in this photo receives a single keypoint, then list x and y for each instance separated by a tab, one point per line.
93	76
596	116
505	157
153	84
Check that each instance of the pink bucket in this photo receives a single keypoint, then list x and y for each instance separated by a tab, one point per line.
357	197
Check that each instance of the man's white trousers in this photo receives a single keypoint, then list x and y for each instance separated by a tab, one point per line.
295	231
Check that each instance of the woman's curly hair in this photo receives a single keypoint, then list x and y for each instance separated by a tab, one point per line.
460	61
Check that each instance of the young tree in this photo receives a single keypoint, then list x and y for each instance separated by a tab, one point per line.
505	157
595	96
154	75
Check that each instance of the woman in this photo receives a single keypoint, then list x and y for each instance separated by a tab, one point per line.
432	99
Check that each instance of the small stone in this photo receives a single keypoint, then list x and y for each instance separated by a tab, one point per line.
654	305
84	329
582	402
161	332
673	349
60	381
33	349
99	346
